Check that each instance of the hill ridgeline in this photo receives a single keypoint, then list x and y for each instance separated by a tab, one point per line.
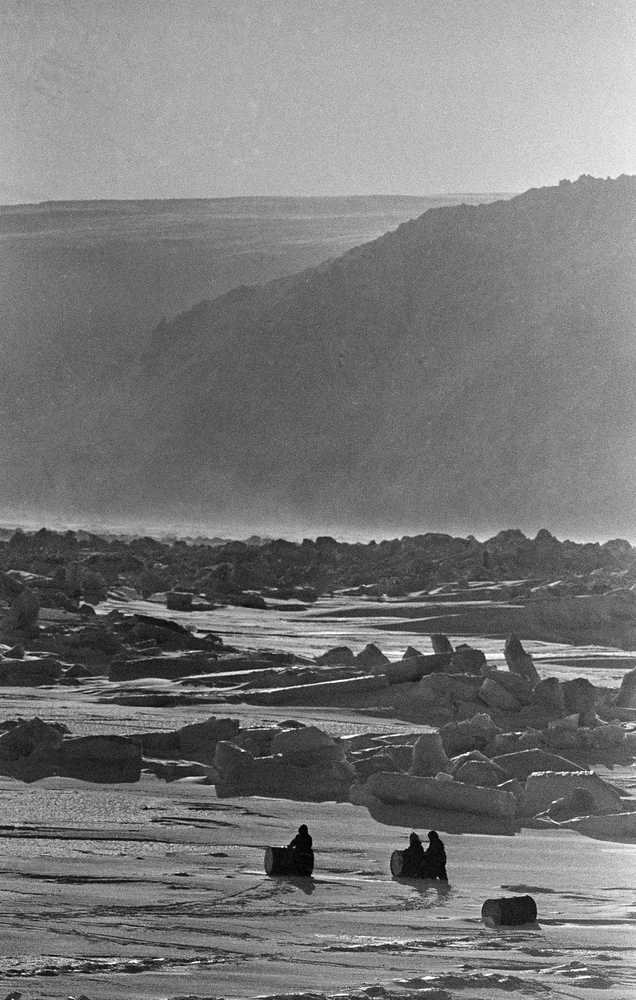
473	368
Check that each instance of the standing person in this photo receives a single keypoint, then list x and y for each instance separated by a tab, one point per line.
435	857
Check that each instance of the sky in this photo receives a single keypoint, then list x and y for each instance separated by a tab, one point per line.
220	98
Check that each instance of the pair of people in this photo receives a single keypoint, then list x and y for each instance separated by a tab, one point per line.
429	863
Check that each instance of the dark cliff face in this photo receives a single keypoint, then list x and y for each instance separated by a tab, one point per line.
473	368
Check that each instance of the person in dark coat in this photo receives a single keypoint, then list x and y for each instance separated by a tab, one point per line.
302	841
414	856
301	847
435	857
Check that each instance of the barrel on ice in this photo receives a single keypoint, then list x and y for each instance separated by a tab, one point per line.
285	861
402	867
509	910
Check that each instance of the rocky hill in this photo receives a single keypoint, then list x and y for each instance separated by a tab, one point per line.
83	285
474	367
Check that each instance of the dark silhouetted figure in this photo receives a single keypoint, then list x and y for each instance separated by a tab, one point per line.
302	841
435	858
413	857
301	848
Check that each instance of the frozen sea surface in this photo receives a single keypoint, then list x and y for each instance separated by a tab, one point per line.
162	895
156	891
304	633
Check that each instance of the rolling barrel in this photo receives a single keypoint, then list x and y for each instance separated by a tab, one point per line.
509	910
396	864
284	861
401	868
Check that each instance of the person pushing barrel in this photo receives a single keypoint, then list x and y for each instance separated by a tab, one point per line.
301	848
434	857
295	859
302	841
414	856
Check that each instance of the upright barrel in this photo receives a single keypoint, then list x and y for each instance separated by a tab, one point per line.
509	911
284	861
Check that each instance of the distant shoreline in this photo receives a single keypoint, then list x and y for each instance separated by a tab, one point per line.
89	202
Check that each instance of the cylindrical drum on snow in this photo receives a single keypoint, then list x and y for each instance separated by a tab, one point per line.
277	861
402	866
509	910
397	863
284	861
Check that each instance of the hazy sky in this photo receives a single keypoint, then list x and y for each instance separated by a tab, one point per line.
187	98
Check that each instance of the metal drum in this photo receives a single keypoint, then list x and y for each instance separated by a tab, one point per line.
284	861
396	863
401	868
509	910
